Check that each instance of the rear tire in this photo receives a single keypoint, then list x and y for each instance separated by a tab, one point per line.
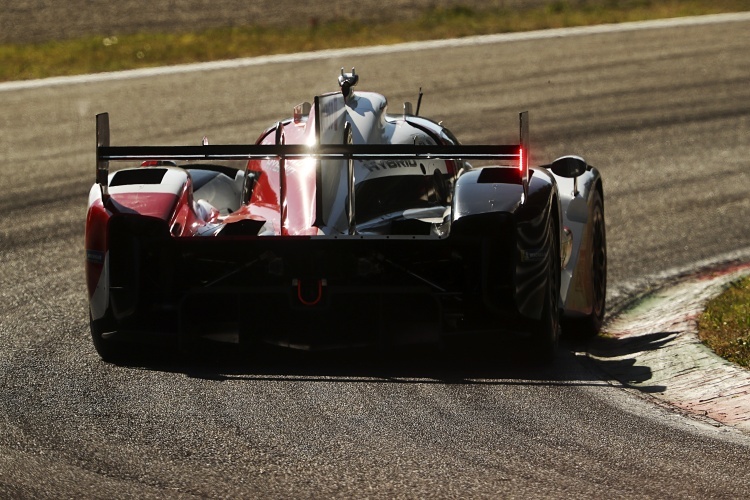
589	326
545	333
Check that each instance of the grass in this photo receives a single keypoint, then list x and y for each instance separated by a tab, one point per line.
724	326
96	54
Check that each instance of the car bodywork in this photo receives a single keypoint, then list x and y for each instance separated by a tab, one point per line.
345	225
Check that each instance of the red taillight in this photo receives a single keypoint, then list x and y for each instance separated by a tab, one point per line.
158	163
520	160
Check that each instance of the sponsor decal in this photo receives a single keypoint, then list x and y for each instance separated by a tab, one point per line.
331	107
533	255
95	256
376	165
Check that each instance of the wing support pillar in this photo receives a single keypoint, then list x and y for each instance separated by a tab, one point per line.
318	222
523	119
350	206
102	165
280	141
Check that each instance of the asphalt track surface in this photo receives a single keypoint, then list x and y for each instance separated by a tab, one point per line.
665	115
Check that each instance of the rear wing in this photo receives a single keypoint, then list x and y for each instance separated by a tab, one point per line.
517	154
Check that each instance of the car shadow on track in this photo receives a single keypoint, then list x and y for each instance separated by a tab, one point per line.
503	364
617	357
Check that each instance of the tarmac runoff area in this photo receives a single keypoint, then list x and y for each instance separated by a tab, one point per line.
653	346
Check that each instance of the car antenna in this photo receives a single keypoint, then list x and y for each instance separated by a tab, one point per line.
419	101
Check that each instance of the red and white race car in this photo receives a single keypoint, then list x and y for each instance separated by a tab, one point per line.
346	225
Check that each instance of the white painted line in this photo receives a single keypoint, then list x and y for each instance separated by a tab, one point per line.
377	50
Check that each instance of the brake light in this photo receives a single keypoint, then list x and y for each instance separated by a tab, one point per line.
520	160
158	163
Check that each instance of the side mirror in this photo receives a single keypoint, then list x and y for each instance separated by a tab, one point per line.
569	166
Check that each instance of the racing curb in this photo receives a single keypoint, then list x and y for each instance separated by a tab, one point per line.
654	346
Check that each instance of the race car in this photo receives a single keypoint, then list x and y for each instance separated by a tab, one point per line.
342	226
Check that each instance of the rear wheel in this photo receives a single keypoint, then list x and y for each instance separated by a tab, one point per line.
589	326
545	332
